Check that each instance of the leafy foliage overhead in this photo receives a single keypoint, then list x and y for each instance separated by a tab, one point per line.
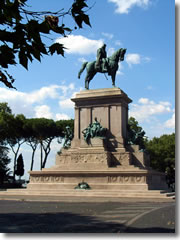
22	32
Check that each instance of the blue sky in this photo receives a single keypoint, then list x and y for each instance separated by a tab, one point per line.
145	27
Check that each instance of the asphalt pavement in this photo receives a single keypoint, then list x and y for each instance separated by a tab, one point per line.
87	217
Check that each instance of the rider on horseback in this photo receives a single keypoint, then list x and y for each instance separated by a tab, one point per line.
109	65
101	62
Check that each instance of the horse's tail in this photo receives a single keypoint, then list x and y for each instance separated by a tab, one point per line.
82	69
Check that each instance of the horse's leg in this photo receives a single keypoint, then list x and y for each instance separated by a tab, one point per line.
87	82
88	78
92	75
113	75
90	68
82	69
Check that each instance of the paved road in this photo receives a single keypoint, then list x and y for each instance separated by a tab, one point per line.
66	217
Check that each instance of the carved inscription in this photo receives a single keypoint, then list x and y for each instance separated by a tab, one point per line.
127	179
46	179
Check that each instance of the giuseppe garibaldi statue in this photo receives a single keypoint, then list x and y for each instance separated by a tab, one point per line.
101	61
103	64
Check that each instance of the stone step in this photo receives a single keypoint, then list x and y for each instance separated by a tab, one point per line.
90	190
86	193
125	167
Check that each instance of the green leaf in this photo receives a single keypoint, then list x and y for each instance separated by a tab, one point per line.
6	36
6	56
4	79
56	47
44	27
68	29
36	53
29	56
42	48
85	18
77	6
23	59
78	20
32	28
22	2
58	30
38	48
29	50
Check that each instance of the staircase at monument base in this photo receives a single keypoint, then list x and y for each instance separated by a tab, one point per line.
88	194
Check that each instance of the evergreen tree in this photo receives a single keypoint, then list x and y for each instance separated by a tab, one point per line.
20	166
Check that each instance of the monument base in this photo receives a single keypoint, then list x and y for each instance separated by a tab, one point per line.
109	179
94	165
108	166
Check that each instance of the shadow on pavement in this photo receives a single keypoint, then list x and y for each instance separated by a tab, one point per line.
54	223
65	222
149	230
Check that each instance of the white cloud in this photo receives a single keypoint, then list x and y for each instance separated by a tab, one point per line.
171	122
62	116
118	43
165	103
43	111
123	6
133	58
108	35
28	103
77	44
66	103
119	71
82	60
145	101
146	109
29	98
65	88
110	51
42	93
149	87
147	59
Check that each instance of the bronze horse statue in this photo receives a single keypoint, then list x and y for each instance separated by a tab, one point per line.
112	67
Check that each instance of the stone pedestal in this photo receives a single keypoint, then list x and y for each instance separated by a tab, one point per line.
109	106
105	164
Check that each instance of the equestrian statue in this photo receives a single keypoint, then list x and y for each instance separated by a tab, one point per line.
103	64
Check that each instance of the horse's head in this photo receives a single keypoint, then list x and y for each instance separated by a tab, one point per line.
122	53
118	55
